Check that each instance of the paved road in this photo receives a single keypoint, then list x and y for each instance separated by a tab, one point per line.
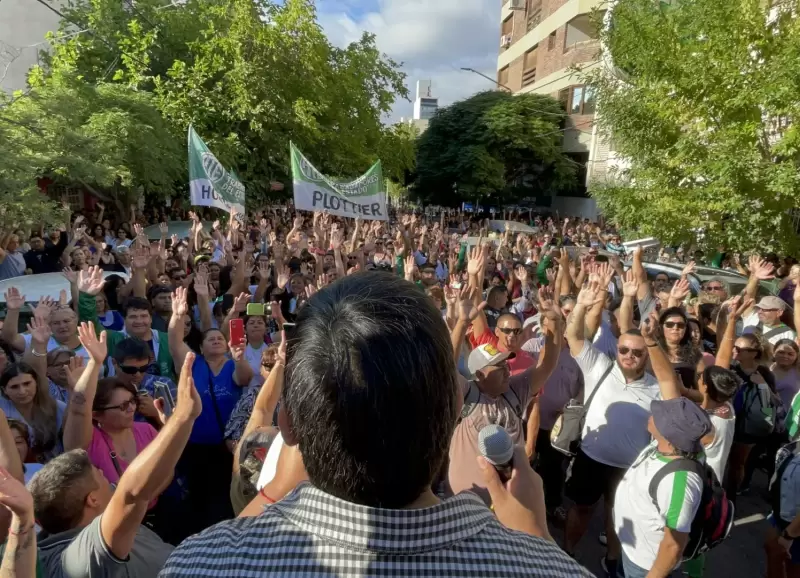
741	555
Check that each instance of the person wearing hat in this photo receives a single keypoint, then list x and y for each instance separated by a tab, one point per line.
765	316
654	530
494	395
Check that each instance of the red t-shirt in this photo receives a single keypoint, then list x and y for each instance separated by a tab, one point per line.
522	359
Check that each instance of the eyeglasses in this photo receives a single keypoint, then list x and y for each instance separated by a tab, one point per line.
745	349
637	353
124	406
511	330
134	369
714	288
674	325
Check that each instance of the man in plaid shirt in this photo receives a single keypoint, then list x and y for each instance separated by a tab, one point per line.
371	399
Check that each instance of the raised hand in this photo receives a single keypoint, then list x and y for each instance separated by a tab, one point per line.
44	308
310	291
283	277
240	302
91	281
298	221
690	267
760	269
179	304
75	369
275	311
188	405
216	225
201	281
14	300
15	497
323	281
163	228
410	267
237	350
97	348
650	327
450	296
467	311
477	260
680	290
264	271
40	330
70	275
630	287
522	274
282	349
337	238
591	294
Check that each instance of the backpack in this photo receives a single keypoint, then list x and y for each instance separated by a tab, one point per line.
783	458
757	417
473	395
713	521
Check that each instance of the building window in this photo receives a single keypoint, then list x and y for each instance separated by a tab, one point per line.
534	10
71	195
502	76
551	40
428	108
529	67
577	100
508	26
578	30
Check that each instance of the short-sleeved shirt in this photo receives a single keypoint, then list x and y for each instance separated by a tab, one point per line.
615	431
639	523
752	322
11	412
564	384
12	266
82	553
464	473
101	446
209	427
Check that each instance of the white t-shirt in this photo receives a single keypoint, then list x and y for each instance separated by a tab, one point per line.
604	339
639	524
253	357
717	453
53	344
615	431
753	322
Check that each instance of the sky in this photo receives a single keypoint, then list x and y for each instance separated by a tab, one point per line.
432	39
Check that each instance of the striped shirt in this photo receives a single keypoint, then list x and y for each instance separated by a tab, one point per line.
311	533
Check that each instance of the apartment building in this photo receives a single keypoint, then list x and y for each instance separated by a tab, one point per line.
540	41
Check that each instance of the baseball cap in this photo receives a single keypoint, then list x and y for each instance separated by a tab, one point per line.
682	423
486	355
771	303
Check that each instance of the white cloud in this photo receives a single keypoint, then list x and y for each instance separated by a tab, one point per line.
432	38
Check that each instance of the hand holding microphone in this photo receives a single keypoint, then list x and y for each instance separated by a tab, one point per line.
516	490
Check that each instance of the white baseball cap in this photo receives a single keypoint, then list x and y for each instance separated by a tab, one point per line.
486	355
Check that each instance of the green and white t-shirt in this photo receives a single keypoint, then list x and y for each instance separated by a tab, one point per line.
639	524
793	418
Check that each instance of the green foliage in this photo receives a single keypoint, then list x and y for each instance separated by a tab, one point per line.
705	84
484	145
250	76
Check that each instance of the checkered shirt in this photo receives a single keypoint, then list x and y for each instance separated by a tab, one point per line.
313	534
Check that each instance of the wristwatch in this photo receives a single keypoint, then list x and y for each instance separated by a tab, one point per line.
785	535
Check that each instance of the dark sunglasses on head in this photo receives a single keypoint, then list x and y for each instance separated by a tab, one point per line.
745	349
637	353
511	330
133	369
674	325
124	406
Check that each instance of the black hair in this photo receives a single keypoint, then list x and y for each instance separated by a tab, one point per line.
59	491
136	304
722	384
112	282
131	348
371	390
106	387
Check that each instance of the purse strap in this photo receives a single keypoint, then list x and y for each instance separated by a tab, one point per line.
213	395
596	387
111	452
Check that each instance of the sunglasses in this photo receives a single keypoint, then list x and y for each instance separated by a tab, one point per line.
674	325
714	288
124	406
745	349
511	330
134	369
637	353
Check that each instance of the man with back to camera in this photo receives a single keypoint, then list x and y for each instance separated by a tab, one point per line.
371	398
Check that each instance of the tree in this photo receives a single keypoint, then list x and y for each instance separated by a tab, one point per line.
697	104
484	145
110	138
250	76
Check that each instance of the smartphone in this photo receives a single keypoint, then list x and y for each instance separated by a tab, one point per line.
237	331
255	309
161	390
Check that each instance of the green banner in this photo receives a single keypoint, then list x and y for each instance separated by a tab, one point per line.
210	185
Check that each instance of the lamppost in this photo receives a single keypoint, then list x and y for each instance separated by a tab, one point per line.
489	78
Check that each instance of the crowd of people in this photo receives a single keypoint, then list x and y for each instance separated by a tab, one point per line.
291	393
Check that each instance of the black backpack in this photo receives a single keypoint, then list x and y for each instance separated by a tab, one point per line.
714	518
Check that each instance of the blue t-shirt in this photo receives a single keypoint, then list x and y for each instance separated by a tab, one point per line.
112	320
209	428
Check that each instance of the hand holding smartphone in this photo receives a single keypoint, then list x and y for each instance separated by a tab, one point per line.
237	331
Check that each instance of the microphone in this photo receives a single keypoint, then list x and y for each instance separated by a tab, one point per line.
496	447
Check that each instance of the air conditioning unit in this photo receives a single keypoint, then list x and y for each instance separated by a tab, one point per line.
505	40
517	4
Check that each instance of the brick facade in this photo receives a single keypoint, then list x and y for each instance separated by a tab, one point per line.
547	61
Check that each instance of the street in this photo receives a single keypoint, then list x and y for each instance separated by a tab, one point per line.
741	555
